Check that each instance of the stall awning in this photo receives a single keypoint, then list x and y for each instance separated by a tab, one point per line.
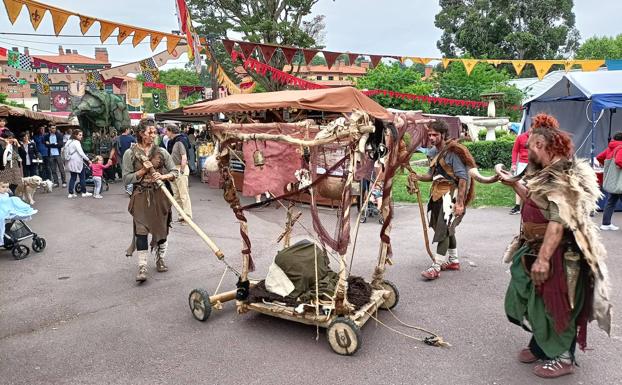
6	111
342	99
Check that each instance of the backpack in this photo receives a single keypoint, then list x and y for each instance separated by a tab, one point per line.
67	153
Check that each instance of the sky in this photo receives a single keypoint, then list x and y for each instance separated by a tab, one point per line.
390	27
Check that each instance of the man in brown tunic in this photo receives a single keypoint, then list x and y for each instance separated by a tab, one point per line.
144	164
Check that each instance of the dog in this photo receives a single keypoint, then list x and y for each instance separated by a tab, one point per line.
47	186
27	189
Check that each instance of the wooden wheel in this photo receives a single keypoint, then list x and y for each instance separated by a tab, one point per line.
200	306
394	295
344	337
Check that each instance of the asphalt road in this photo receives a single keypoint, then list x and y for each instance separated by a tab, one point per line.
73	314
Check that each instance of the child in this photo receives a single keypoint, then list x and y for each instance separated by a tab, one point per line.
98	168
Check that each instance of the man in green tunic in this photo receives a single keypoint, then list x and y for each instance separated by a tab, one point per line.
559	279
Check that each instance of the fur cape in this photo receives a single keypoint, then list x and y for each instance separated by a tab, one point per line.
465	156
572	185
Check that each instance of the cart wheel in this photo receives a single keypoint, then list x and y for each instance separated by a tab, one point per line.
78	188
200	305
38	244
394	295
344	337
20	251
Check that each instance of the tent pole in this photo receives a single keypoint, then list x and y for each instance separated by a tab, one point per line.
593	137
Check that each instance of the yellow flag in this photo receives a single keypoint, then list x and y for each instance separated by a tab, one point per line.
59	19
542	67
469	64
518	65
171	43
85	24
139	35
494	62
124	32
422	60
446	62
105	30
156	38
568	64
134	93
36	13
172	96
13	9
591	65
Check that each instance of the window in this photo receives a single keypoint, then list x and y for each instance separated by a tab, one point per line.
331	78
319	77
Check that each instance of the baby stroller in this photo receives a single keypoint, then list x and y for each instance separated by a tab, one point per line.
16	231
371	209
88	179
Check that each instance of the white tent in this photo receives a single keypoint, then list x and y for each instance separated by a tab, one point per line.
585	104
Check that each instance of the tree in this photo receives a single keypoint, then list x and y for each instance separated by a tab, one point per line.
266	21
396	78
601	48
507	29
4	100
454	83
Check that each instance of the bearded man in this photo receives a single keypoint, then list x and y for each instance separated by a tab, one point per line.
558	277
451	192
144	164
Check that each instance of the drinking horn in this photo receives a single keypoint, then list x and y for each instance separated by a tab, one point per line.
474	173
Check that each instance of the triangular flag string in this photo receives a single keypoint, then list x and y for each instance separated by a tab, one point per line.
105	30
13	9
36	13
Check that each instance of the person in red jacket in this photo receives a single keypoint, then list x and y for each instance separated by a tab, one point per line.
614	148
520	159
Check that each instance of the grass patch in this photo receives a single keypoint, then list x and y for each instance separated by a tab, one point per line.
486	195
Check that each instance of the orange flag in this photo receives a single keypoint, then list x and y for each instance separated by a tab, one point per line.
469	64
139	35
124	32
543	66
59	19
519	65
105	30
36	13
85	24
13	9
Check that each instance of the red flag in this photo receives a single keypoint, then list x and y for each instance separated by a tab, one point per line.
289	53
309	54
247	48
375	59
352	58
229	47
267	51
330	57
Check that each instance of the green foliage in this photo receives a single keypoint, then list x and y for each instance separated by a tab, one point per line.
481	135
4	100
284	22
396	78
505	29
601	48
488	154
454	83
175	76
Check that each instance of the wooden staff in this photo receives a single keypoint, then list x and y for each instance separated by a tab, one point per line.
416	190
219	254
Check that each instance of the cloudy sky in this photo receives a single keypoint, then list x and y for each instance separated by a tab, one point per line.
395	27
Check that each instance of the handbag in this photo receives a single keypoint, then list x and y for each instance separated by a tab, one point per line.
612	181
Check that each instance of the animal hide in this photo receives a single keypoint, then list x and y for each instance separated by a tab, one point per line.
574	188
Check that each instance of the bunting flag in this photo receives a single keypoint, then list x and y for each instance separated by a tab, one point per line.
159	59
446	62
469	64
309	54
289	54
542	67
13	59
330	57
37	11
518	65
226	82
278	75
172	96
435	100
591	65
134	93
149	70
267	51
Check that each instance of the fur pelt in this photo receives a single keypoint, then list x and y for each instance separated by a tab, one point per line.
572	185
465	156
27	189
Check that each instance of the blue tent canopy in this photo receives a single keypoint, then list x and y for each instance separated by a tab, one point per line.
585	104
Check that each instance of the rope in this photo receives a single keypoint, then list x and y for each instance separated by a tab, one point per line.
221	279
433	340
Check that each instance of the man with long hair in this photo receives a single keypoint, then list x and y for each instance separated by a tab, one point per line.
450	193
144	164
558	277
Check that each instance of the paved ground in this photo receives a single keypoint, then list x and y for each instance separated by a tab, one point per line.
74	315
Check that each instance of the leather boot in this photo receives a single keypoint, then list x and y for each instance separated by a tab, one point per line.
142	266
160	254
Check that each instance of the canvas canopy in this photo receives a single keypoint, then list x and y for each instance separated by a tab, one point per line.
11	111
343	99
585	104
